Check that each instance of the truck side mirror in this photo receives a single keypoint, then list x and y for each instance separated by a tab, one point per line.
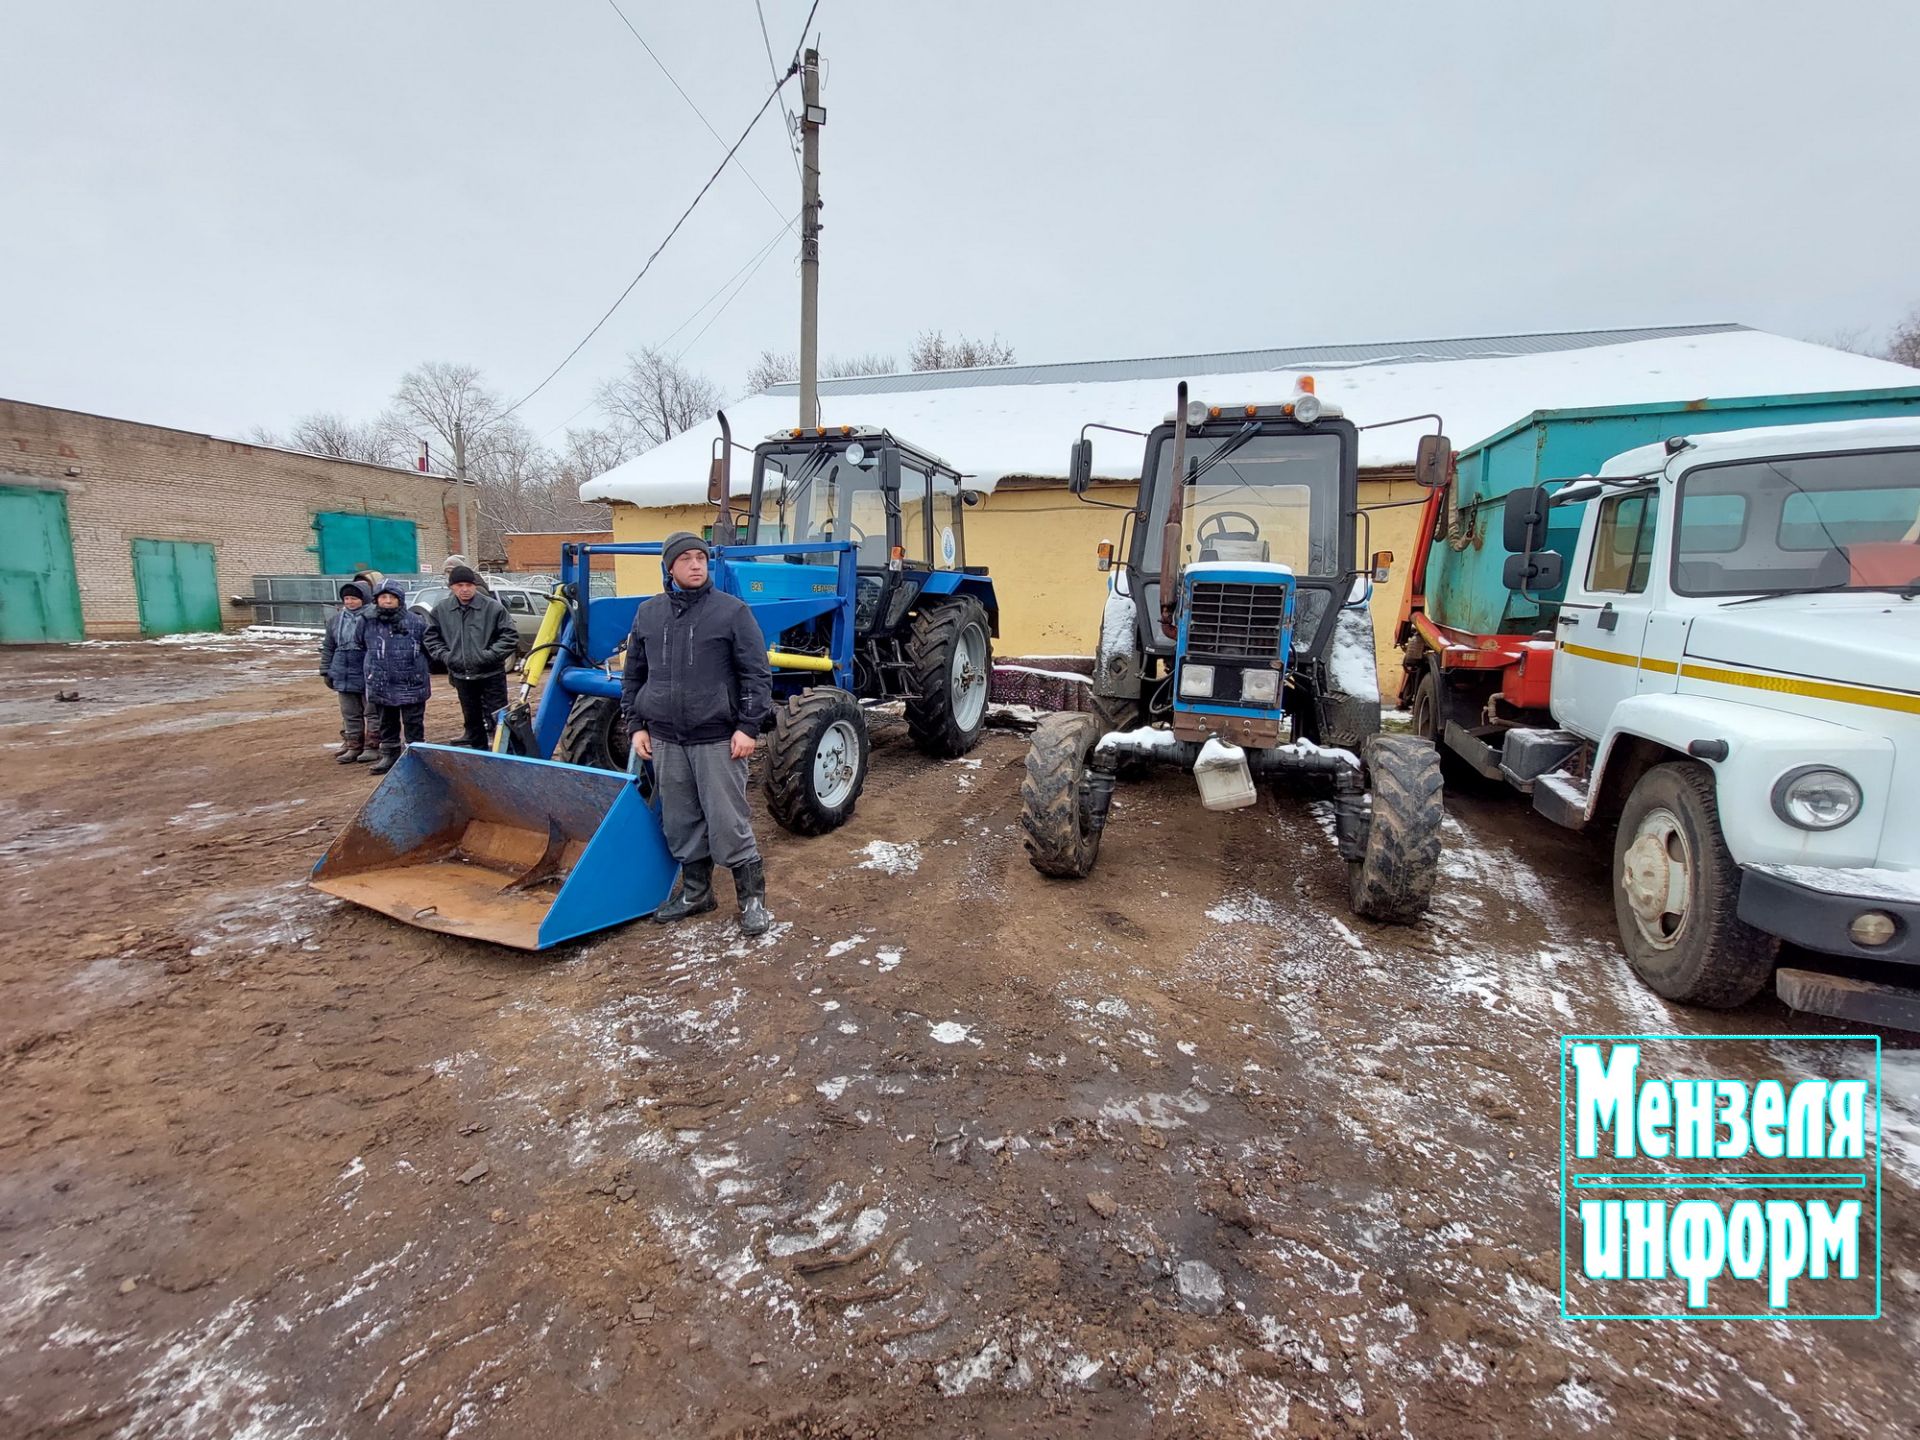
1524	525
1432	461
1080	467
1534	572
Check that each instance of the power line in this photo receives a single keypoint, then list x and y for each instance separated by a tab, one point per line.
689	99
765	254
772	95
753	260
774	70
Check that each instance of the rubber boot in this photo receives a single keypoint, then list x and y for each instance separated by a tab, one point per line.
349	751
695	895
750	885
388	759
370	746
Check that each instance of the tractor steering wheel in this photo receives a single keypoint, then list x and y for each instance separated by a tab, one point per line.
1214	527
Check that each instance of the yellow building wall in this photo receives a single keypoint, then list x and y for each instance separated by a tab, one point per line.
1039	546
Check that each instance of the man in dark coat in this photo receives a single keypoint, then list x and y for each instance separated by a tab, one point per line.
697	691
398	681
471	634
343	664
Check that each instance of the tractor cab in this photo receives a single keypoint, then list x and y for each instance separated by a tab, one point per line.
899	505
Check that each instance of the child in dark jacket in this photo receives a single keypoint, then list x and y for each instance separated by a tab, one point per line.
343	665
398	681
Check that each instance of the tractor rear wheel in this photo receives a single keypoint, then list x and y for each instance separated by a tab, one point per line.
1053	797
816	760
595	734
952	658
1394	882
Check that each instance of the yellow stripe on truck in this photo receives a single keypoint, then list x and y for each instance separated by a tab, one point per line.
1753	680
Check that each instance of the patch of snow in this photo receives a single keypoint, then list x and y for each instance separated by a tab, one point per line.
1146	742
951	1032
836	1087
1243	907
1072	676
890	858
1894	887
1351	664
841	947
886	960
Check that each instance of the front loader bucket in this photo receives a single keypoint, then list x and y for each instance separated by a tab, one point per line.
521	852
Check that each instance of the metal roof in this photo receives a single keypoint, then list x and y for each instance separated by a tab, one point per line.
1242	362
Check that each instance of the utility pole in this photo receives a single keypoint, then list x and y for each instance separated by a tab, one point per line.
812	116
460	489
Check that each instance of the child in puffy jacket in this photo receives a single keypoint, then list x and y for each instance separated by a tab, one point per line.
343	665
398	681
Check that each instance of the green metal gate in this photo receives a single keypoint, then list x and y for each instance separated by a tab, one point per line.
39	597
177	585
349	542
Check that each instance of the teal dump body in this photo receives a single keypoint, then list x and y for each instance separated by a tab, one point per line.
1464	588
521	852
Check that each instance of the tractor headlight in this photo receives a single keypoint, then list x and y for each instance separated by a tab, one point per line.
1816	797
1196	681
1260	687
1306	408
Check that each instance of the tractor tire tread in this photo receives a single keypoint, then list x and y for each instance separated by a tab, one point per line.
1050	811
931	723
595	734
1394	883
797	727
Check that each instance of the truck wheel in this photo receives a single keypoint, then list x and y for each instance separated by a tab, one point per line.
816	760
595	734
952	659
1675	889
1433	706
1053	797
1394	882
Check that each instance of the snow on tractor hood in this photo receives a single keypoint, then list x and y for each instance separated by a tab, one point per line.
1862	639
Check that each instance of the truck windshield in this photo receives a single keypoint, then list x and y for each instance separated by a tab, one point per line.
1270	498
814	493
1799	523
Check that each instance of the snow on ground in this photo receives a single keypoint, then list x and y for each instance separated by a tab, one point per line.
890	858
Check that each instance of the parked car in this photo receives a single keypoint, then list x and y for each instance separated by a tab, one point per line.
525	607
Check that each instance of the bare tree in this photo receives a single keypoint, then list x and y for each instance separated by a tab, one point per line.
1903	344
327	433
656	398
933	351
1844	337
780	367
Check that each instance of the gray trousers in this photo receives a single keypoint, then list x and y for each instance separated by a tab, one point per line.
703	803
353	716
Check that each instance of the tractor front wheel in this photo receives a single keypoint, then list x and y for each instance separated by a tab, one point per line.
816	760
1394	882
595	734
1053	797
952	659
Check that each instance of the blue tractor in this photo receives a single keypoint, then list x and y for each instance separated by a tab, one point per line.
854	561
1237	644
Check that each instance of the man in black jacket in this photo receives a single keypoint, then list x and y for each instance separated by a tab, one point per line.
470	633
697	691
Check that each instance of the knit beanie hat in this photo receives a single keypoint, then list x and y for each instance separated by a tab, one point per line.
462	575
678	544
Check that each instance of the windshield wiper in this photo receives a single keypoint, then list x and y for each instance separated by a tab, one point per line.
1247	432
1905	592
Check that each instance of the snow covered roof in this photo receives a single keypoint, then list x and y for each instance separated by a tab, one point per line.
1007	421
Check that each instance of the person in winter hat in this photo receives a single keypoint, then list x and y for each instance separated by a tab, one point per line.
460	562
370	743
696	692
343	665
398	681
472	635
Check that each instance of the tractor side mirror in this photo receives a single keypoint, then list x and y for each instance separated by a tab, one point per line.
970	498
1524	524
1104	554
1382	566
1432	461
1080	467
716	483
1534	572
890	471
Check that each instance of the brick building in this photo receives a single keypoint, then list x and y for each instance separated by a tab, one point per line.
537	552
122	529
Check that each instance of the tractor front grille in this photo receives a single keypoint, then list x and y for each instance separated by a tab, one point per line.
1236	620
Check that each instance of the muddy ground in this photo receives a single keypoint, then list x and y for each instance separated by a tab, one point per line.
1184	1150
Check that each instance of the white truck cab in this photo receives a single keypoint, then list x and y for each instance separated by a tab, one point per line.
1736	678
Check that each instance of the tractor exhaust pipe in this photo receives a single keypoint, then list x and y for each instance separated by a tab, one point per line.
720	485
1176	506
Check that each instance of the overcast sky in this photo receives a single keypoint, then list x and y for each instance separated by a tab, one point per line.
215	213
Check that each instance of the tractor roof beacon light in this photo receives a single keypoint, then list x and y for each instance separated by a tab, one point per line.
1306	404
